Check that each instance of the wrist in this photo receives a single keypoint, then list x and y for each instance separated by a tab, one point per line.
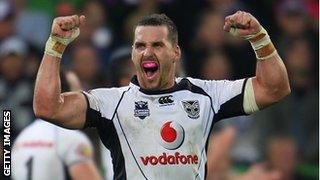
55	45
261	44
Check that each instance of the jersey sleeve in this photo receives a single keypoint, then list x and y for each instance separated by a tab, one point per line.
226	96
101	103
74	147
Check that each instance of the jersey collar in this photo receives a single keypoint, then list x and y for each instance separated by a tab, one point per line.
175	87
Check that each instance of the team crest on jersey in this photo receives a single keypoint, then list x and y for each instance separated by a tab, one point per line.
192	108
141	109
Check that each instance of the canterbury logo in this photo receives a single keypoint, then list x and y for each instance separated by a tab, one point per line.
165	99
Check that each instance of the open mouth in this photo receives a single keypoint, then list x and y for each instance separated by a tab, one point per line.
150	68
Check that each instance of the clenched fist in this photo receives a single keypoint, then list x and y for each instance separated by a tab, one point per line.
64	26
242	24
64	30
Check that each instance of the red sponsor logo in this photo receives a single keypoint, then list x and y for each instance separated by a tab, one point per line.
171	135
36	144
166	159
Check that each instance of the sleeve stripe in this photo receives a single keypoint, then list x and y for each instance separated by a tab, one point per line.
92	116
249	102
232	107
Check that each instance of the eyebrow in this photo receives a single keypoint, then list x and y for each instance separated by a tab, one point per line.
157	43
140	43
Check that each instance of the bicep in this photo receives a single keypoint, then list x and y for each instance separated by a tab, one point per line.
271	82
72	111
261	95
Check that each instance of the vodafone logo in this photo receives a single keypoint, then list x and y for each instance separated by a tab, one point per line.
169	159
171	135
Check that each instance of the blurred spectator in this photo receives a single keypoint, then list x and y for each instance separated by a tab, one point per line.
282	155
293	18
97	30
33	25
144	8
218	152
219	164
65	8
6	20
32	63
216	67
86	64
15	90
227	7
209	37
121	68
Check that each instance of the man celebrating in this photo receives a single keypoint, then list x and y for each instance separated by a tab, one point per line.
158	126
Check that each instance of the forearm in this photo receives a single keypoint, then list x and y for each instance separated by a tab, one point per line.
47	90
271	79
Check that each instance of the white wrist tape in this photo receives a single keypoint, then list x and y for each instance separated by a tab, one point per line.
249	102
55	45
265	40
258	41
275	52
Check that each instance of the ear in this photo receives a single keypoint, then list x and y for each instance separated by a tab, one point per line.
177	52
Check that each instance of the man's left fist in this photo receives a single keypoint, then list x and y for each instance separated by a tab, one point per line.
241	24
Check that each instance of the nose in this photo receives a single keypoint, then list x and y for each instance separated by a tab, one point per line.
148	52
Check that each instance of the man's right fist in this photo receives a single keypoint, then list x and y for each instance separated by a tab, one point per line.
64	31
65	26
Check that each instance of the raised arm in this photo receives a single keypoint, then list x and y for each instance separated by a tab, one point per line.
64	109
270	83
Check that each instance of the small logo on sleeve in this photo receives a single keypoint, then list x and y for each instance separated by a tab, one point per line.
84	151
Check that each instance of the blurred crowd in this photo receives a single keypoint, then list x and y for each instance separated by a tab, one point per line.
285	136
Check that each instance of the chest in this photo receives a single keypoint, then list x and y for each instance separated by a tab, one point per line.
168	120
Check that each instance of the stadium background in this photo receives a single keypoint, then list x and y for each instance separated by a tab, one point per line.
208	53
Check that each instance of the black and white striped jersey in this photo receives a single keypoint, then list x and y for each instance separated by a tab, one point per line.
162	134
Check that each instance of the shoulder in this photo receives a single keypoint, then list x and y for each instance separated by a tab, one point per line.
73	135
108	91
200	83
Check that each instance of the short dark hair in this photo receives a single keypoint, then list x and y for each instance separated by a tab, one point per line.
160	20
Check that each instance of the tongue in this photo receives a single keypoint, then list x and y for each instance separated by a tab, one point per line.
149	65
